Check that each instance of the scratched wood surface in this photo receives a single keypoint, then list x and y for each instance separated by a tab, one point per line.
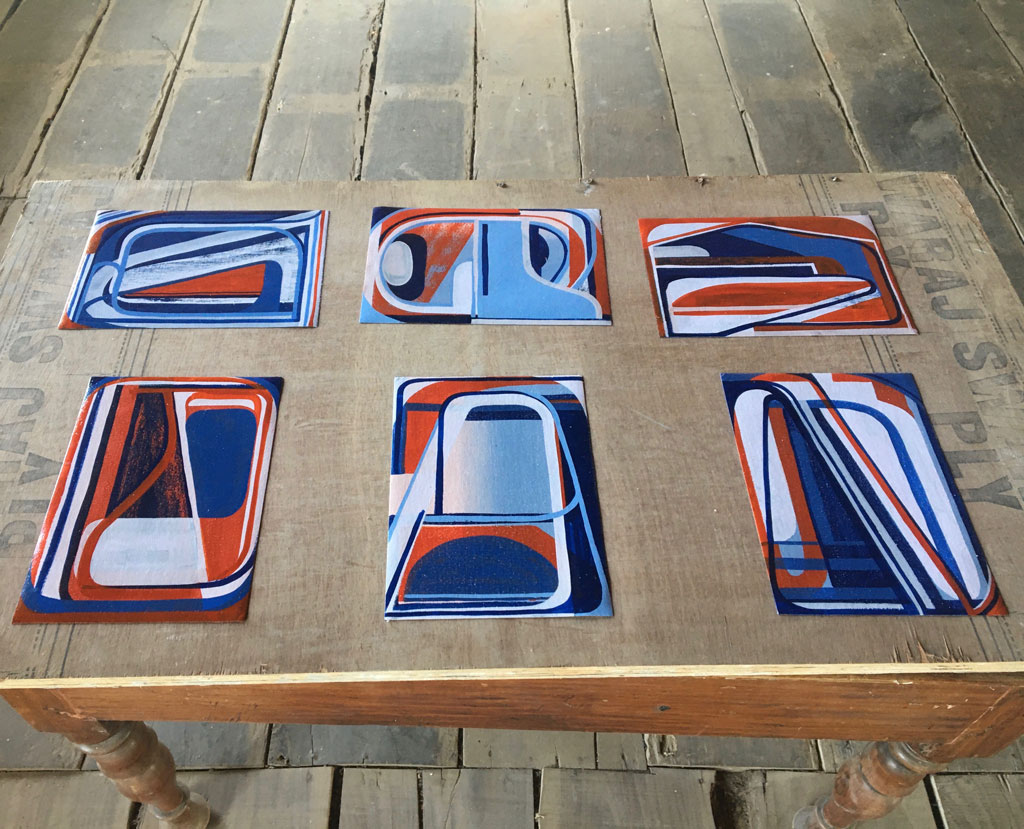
687	579
36	801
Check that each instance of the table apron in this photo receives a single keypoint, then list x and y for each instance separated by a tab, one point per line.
901	706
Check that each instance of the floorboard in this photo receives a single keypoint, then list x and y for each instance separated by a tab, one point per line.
472	798
664	799
315	123
421	113
525	102
898	111
198	745
1007	18
46	801
836	752
794	120
731	752
714	139
627	125
374	745
985	802
985	85
379	799
499	748
105	124
215	113
41	47
621	752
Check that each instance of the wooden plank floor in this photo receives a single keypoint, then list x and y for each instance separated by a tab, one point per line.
496	89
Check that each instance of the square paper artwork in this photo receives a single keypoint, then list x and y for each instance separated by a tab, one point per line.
755	277
479	266
493	501
157	506
854	503
200	269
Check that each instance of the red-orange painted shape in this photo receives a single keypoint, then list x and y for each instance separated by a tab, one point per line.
244	281
805	526
775	294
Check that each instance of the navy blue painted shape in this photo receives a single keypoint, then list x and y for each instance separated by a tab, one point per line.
221	444
482	565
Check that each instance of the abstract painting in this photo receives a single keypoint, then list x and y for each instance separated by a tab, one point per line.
753	277
486	266
854	503
200	269
493	501
157	506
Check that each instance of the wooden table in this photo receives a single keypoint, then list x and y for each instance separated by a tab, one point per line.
695	645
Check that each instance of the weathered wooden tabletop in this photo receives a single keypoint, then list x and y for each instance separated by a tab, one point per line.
687	577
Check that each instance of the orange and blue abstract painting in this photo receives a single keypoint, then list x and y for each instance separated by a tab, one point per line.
494	507
157	506
200	269
755	277
486	266
854	503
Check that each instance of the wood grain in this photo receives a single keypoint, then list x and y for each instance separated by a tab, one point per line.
793	118
626	121
525	103
469	798
621	752
898	111
973	802
714	139
421	116
215	111
101	134
316	120
971	715
735	752
36	801
367	745
984	84
502	748
41	46
583	799
379	799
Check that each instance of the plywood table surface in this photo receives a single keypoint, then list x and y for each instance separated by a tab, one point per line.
694	646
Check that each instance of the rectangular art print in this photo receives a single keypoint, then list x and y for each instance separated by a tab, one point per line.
755	277
854	503
480	266
156	510
493	501
200	269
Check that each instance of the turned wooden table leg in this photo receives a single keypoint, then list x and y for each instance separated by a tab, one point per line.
142	768
869	786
